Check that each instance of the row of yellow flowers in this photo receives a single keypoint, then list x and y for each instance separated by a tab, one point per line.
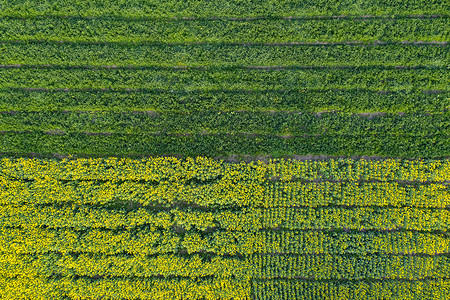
225	193
246	219
150	241
280	289
44	288
202	168
315	267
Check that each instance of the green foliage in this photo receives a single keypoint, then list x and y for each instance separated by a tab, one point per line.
148	241
220	79
280	289
214	230
43	288
269	123
227	8
248	219
329	30
74	54
305	100
233	78
316	267
319	267
224	144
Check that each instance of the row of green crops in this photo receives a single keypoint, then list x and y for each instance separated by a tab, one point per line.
227	8
223	144
232	78
305	100
275	123
73	54
93	30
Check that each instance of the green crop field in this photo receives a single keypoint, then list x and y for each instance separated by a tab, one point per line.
235	149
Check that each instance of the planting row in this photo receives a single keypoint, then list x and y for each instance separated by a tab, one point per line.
331	30
293	79
151	241
226	144
313	267
350	290
222	193
305	100
227	8
276	123
250	219
43	288
71	54
165	169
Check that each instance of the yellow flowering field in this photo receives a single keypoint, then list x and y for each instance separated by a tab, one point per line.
198	228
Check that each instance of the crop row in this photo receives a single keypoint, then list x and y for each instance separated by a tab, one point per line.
350	290
172	169
315	267
353	267
355	194
293	79
228	8
151	241
276	123
305	100
225	193
71	54
226	144
248	219
170	265
93	30
43	288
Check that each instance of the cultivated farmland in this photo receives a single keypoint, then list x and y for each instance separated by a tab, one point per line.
233	150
